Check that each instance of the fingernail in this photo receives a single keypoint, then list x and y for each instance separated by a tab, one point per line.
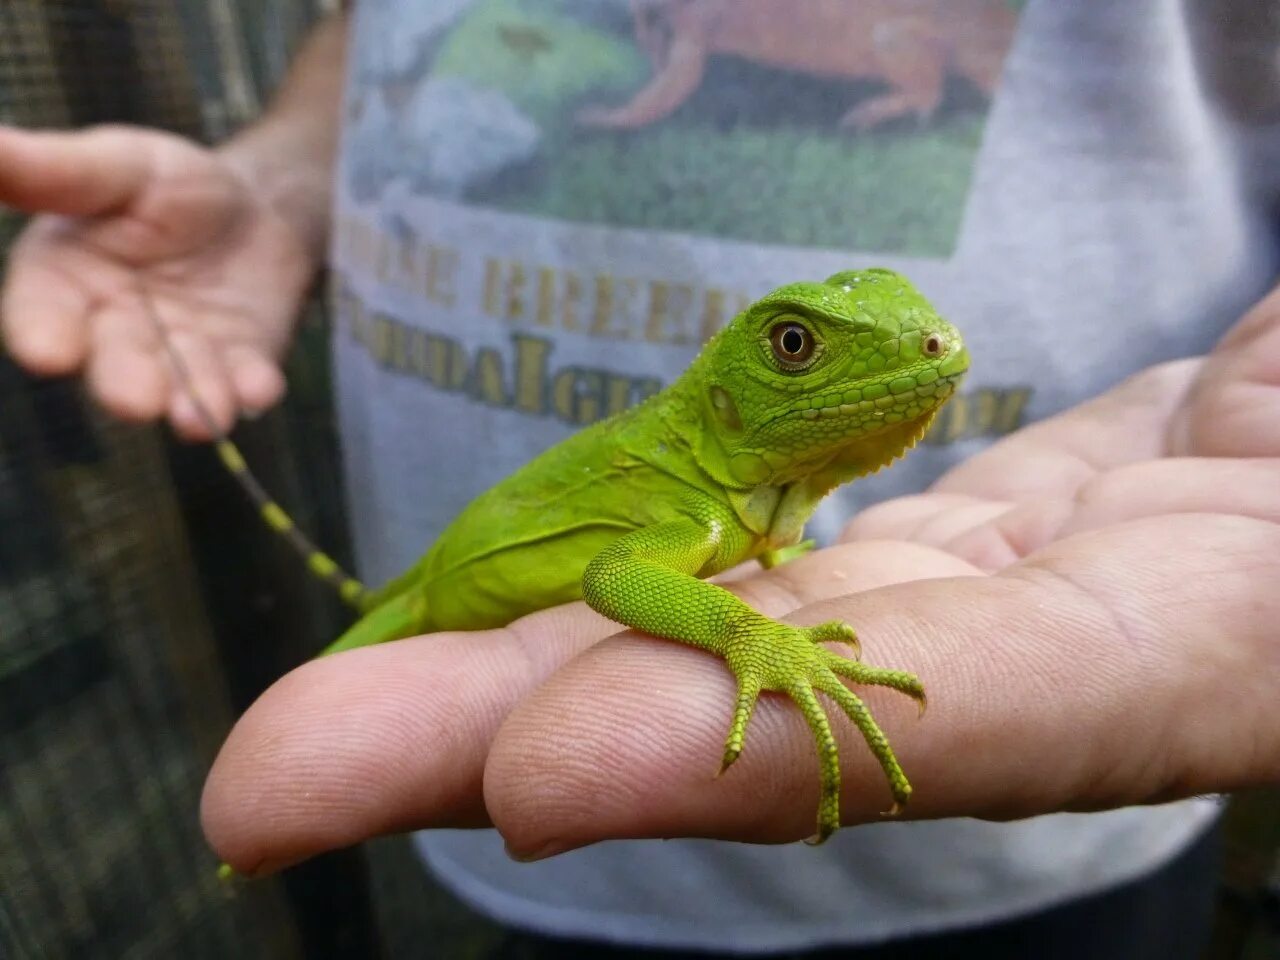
548	849
183	410
266	868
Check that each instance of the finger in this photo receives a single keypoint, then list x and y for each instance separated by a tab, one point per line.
84	173
258	382
1053	457
201	387
126	371
990	534
926	518
1129	665
1009	535
393	737
1233	409
1242	488
43	318
377	739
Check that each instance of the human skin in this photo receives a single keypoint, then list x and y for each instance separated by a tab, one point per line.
225	241
1090	603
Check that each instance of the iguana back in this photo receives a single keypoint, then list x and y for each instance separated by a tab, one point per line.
523	544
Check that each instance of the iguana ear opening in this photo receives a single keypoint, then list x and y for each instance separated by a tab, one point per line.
725	410
716	445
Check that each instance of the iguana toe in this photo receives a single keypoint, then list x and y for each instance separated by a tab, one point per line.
790	660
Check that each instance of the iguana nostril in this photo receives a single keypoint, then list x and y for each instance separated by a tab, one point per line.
956	363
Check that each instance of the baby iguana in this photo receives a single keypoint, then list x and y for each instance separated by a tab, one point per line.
808	388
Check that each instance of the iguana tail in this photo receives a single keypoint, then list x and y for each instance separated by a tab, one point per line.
318	562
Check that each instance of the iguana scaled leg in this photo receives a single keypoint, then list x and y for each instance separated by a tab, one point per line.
857	711
748	696
647	580
899	680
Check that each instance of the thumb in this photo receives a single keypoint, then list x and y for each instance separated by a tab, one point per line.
84	173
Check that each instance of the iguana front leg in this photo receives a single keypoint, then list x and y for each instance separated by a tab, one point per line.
647	580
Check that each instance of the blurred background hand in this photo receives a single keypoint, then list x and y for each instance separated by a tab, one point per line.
119	209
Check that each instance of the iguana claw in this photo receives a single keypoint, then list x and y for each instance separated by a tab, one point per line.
791	660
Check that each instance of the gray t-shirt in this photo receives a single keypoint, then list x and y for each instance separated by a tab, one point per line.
544	206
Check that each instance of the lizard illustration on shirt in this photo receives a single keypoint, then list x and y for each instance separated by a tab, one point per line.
910	45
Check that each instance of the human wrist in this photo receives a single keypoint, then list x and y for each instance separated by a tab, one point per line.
286	158
275	167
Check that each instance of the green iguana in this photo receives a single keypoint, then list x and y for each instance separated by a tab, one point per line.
808	388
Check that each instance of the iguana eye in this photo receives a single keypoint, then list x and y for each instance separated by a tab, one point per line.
933	346
792	344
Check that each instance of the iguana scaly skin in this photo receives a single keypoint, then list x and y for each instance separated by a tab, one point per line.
812	386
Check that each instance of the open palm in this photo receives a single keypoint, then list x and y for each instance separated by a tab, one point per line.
121	210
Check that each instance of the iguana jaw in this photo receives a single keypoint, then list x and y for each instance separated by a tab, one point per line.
864	437
872	453
865	440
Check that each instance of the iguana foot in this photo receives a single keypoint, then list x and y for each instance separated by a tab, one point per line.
767	655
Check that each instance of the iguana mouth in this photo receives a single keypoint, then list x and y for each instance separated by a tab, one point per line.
876	409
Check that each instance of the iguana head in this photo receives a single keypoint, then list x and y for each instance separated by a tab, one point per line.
845	374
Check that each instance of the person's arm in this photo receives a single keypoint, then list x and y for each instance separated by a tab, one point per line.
290	151
225	242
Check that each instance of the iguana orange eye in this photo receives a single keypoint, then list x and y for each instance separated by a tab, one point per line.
933	346
792	344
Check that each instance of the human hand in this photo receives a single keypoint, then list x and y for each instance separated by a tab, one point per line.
121	210
1091	605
